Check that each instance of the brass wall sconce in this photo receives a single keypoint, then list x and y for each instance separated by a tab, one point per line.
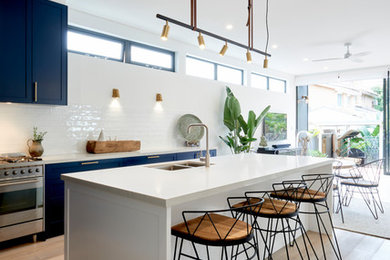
159	97
115	93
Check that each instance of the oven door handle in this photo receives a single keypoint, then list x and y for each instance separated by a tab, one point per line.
19	182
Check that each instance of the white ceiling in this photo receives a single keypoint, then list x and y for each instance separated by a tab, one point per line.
301	28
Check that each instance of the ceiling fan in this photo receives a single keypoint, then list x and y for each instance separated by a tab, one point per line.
348	55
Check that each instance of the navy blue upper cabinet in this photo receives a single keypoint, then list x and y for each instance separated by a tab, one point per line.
33	64
49	54
15	46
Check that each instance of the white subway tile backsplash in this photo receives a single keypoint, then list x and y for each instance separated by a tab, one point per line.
135	116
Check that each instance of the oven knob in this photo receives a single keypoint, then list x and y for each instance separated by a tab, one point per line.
6	173
15	172
30	170
22	171
37	170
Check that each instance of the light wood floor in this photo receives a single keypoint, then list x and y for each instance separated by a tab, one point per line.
353	246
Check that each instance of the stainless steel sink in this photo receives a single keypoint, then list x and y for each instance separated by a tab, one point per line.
177	166
173	167
193	164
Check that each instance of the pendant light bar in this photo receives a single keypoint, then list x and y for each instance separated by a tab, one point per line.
194	28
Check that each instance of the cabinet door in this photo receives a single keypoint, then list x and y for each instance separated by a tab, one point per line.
15	49
54	190
49	53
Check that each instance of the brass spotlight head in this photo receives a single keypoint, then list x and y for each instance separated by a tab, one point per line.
248	56
265	64
224	49
165	31
159	97
201	41
115	93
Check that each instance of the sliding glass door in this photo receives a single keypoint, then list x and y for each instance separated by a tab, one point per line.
386	123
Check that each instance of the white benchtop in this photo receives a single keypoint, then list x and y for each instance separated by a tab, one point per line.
168	188
62	158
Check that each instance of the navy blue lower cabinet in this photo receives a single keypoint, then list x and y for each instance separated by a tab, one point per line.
160	158
195	154
54	190
157	158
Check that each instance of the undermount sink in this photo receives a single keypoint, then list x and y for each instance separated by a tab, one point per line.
193	164
177	166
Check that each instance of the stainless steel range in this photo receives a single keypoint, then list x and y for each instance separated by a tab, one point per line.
21	196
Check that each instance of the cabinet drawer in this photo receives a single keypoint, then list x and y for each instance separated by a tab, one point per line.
132	161
187	155
160	158
54	171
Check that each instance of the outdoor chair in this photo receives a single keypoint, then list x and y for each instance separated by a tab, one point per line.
365	180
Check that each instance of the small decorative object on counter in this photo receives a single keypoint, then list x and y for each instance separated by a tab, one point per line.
263	142
35	147
101	135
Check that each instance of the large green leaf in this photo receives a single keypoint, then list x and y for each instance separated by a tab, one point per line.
226	141
251	123
364	132
232	110
262	115
243	124
376	131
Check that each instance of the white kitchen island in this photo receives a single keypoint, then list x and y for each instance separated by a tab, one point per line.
126	213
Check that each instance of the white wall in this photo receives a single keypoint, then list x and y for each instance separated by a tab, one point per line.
91	80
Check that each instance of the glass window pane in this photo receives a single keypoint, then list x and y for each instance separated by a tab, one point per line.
94	45
277	85
199	68
258	81
151	57
229	75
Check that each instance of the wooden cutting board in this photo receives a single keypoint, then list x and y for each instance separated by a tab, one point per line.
113	146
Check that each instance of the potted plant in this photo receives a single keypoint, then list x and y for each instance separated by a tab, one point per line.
241	133
34	144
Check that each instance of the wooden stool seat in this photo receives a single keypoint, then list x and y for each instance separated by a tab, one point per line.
348	176
360	183
271	207
303	195
219	230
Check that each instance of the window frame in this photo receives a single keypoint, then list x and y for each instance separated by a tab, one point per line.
229	67
261	75
101	36
126	50
215	64
152	48
274	78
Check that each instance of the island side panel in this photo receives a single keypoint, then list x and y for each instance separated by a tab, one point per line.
103	225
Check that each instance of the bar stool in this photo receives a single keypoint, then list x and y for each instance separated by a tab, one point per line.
214	228
279	213
337	188
316	193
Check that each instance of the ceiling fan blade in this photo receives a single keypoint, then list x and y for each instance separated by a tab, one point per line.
361	54
329	59
353	59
